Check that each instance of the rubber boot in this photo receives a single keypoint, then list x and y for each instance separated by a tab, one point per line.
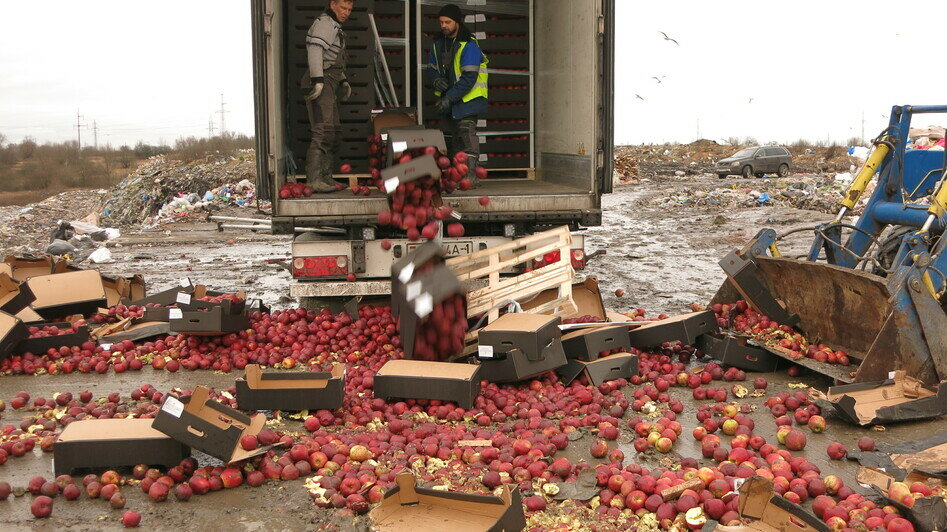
314	168
325	172
472	163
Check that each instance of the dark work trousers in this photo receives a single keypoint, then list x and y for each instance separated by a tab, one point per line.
463	138
324	119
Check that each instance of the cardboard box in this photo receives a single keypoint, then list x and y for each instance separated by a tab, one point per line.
418	379
402	270
417	168
166	297
515	366
214	322
685	329
586	344
161	314
408	508
532	334
587	297
295	391
401	139
617	366
22	268
193	301
899	398
12	332
63	294
14	296
734	351
113	443
383	119
928	513
120	290
29	316
206	425
134	330
39	346
765	511
421	293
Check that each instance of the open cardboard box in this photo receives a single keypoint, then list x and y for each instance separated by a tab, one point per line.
39	346
735	351
401	139
12	332
22	268
586	344
416	302
685	328
14	296
384	119
113	443
63	294
123	289
762	510
418	379
519	346
417	168
899	398
206	425
928	513
588	300
409	508
259	390
427	254
213	322
617	366
193	301
166	297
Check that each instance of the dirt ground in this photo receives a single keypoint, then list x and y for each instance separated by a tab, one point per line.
664	259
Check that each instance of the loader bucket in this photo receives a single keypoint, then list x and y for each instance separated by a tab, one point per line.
843	308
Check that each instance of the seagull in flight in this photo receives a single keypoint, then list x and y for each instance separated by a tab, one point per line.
639	97
666	38
751	100
655	78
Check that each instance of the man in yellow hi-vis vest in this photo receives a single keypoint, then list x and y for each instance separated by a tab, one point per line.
458	69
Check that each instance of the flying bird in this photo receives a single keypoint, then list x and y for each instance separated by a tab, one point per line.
639	97
655	78
666	38
751	100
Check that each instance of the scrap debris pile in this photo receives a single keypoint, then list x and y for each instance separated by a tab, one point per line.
801	192
524	418
161	190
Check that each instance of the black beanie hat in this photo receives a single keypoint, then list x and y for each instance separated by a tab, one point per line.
452	12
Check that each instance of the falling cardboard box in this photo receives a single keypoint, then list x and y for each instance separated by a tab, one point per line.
418	379
295	391
206	425
409	508
114	443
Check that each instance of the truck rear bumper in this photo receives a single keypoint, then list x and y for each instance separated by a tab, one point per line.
340	288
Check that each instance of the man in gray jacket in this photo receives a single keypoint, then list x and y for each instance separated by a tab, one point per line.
325	47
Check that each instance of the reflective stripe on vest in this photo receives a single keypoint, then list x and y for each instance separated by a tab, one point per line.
479	89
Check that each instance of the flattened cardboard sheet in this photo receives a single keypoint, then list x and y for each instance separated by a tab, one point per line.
900	398
418	379
63	294
204	424
14	296
407	508
114	443
135	330
295	391
736	352
685	328
612	367
12	332
586	344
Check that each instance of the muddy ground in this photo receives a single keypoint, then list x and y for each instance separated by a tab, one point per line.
663	258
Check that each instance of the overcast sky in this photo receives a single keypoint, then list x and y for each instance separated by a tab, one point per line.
778	71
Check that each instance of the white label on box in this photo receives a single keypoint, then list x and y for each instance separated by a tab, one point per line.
412	291
173	406
481	139
481	17
891	374
391	184
476	2
105	347
481	123
483	157
456	215
399	146
406	274
485	351
184	299
737	482
185	282
480	35
175	314
470	19
424	305
384	136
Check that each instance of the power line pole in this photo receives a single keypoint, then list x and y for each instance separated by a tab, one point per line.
210	126
95	134
223	112
79	126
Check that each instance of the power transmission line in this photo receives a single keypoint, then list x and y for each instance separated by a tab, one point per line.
79	126
95	134
210	126
223	112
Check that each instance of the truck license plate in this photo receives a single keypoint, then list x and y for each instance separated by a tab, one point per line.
452	249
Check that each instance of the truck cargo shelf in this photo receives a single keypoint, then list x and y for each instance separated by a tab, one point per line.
505	196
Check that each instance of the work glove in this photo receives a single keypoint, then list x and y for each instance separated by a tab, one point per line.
315	92
441	84
443	105
346	90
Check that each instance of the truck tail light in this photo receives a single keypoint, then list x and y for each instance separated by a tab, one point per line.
331	266
578	259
